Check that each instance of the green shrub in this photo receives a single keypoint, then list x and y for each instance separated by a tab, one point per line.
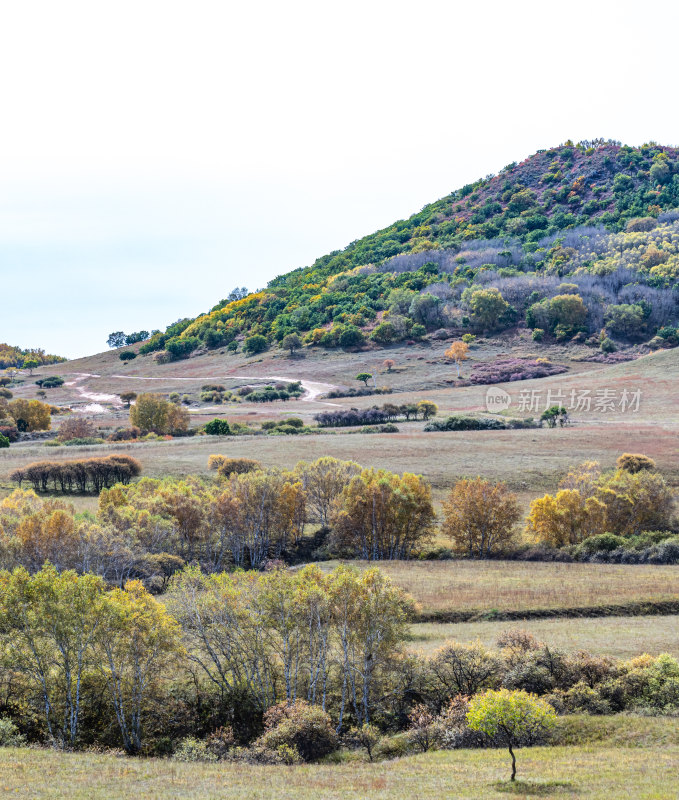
4	441
255	344
538	334
217	427
192	749
9	734
127	355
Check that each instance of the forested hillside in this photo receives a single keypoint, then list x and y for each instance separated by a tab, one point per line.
484	258
12	356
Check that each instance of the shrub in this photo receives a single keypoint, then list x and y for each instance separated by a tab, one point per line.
4	441
9	734
508	368
217	427
192	749
538	334
52	382
127	355
634	462
125	434
462	423
6	394
236	466
306	729
76	428
255	344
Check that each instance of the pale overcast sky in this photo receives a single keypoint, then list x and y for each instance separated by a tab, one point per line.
156	154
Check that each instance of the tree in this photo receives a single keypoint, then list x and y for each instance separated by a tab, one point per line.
217	427
566	518
30	364
555	415
381	515
625	320
480	516
128	398
388	364
30	415
323	481
513	717
384	333
351	337
255	344
151	412
137	639
291	342
635	462
458	352
364	376
51	620
127	355
487	307
137	336
427	409
116	339
4	441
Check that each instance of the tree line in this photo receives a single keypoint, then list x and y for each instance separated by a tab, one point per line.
78	475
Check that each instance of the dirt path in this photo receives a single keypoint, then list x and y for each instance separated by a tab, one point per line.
97	398
312	389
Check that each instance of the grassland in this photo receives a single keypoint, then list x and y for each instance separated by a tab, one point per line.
440	586
617	637
616	758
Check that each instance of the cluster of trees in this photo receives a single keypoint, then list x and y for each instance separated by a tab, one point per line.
78	475
25	415
276	666
389	412
152	413
120	339
632	499
12	357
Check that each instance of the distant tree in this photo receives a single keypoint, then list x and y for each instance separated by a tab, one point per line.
384	333
555	415
513	717
138	336
151	412
30	364
487	307
625	320
30	415
127	355
76	427
565	518
425	309
5	380
291	342
116	339
388	364
364	376
52	382
255	344
128	397
458	352
427	409
237	294
480	516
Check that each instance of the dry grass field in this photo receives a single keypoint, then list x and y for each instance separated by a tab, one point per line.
617	637
615	758
520	585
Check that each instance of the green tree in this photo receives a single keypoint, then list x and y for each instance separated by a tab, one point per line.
487	307
217	427
291	342
427	409
513	717
116	339
255	344
128	397
364	376
30	364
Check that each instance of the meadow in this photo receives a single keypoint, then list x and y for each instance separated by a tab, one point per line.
616	757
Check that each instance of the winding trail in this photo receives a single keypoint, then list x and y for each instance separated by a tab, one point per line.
312	389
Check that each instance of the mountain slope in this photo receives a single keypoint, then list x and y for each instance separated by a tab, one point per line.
528	218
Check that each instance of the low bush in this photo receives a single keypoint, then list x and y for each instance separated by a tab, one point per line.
125	434
306	729
226	466
50	383
9	734
508	368
217	427
4	441
462	423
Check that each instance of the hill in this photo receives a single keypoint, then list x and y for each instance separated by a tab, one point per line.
601	214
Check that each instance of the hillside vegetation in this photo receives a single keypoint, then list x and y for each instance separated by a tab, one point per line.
483	258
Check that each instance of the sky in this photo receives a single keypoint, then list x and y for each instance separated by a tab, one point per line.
153	155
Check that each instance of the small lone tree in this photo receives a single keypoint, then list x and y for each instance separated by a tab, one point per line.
30	364
458	352
364	376
427	409
388	364
555	415
514	717
291	342
128	398
217	427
